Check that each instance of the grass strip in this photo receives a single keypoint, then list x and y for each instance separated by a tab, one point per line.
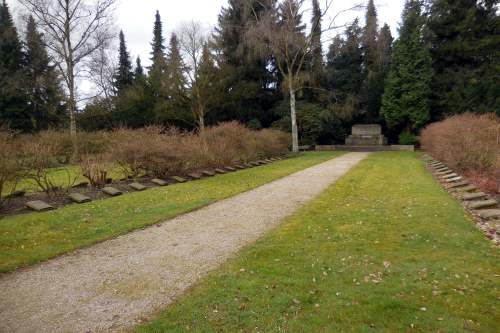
30	238
385	249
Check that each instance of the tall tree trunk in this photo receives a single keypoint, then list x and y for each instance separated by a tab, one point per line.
295	134
72	105
201	121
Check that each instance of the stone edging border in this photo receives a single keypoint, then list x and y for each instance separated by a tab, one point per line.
41	206
484	210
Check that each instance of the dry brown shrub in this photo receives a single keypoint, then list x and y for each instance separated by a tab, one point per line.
10	168
94	169
469	143
39	155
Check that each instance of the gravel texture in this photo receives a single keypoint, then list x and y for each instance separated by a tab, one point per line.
114	285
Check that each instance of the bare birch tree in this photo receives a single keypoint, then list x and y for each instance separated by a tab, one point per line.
276	31
74	30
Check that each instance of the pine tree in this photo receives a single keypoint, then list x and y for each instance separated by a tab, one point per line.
205	87
124	77
371	95
248	85
175	109
317	50
465	39
13	103
139	70
157	71
384	47
44	93
406	101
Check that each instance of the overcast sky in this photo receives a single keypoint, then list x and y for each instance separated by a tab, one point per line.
136	17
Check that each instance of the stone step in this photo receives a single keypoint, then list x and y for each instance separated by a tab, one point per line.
240	167
479	204
458	184
38	206
443	173
490	214
79	198
159	182
208	173
220	171
450	175
229	168
468	188
454	179
473	196
195	175
137	186
112	191
178	179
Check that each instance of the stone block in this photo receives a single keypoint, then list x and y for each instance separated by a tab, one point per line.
39	205
449	175
195	175
220	171
240	167
490	214
178	179
468	188
137	186
473	196
208	173
403	147
479	204
230	169
79	198
459	184
159	182
112	191
454	179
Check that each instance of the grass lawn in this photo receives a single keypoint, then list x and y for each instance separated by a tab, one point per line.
30	238
385	249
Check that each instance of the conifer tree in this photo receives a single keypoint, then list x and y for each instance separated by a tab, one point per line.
406	101
465	49
139	70
124	77
317	50
384	47
205	87
43	91
13	103
371	95
157	71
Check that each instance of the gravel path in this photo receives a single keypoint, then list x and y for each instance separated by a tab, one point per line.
115	284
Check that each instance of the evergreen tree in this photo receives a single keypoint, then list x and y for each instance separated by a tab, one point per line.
139	70
13	103
371	88
44	93
384	46
317	50
248	85
205	87
157	71
175	108
124	77
465	48
406	101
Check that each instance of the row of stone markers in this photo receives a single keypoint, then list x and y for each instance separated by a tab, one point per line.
486	210
110	191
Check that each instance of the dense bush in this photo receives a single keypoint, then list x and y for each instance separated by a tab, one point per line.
160	152
469	143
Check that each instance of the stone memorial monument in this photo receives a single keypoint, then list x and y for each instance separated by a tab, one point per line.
366	135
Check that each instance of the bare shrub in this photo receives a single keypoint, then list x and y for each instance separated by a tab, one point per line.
467	142
10	170
94	169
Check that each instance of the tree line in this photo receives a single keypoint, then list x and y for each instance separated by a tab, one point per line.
262	66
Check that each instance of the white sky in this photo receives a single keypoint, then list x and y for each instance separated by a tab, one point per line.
136	18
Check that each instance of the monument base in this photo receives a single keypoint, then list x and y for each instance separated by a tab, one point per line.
366	135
